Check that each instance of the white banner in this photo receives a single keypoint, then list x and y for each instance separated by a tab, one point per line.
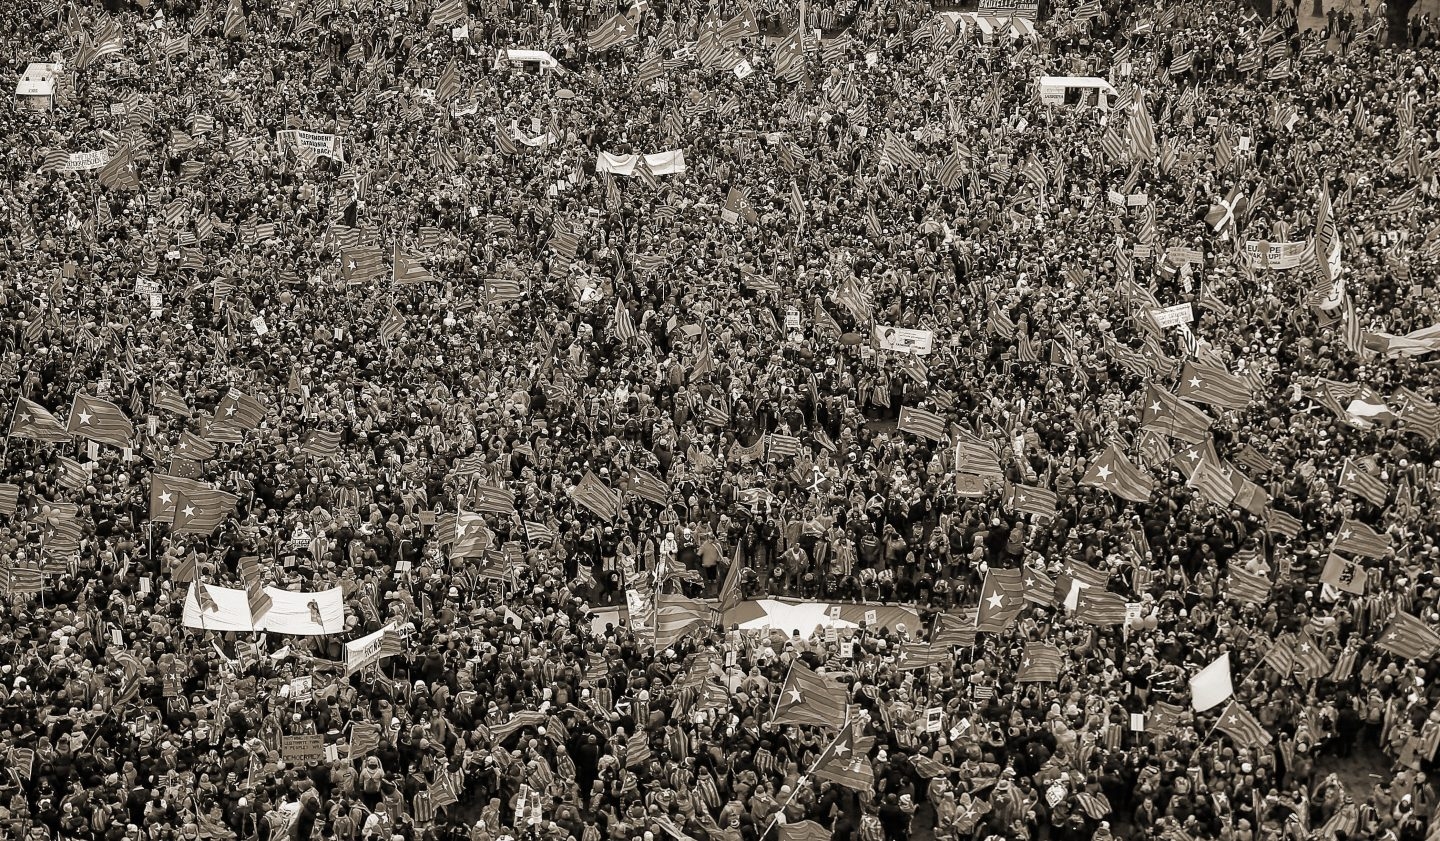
1274	255
85	161
904	339
1173	316
661	163
329	145
364	651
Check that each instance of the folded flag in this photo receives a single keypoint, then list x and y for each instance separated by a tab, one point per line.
596	496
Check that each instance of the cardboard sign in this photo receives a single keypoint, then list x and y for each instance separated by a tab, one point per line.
1173	316
307	748
934	718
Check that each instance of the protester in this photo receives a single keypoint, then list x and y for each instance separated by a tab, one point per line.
367	388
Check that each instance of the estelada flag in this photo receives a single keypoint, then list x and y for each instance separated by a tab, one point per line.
35	422
1040	664
807	697
1001	599
1113	472
611	33
101	421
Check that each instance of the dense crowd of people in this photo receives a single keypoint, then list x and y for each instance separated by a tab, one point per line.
873	320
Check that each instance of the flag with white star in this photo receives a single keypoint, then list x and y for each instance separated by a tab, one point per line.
807	697
33	421
1409	638
845	765
203	513
1113	472
1001	599
1040	664
1242	727
101	421
1202	383
1356	538
166	489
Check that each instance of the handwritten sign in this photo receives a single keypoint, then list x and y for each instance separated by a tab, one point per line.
1173	316
306	748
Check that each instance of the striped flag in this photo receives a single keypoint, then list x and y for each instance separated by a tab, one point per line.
323	442
407	269
782	446
9	499
596	496
807	697
1114	472
922	423
1356	538
1001	600
1248	587
537	532
649	487
1140	130
35	422
1036	501
1098	606
1354	479
71	474
1311	662
1169	415
843	764
101	421
919	655
449	13
1182	63
1409	638
609	34
120	172
1203	383
622	323
676	616
803	831
1242	727
1041	663
492	499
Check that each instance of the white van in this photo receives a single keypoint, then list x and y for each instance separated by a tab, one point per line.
1076	90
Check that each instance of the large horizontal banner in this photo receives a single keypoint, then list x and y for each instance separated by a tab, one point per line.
301	614
1274	255
661	163
329	145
